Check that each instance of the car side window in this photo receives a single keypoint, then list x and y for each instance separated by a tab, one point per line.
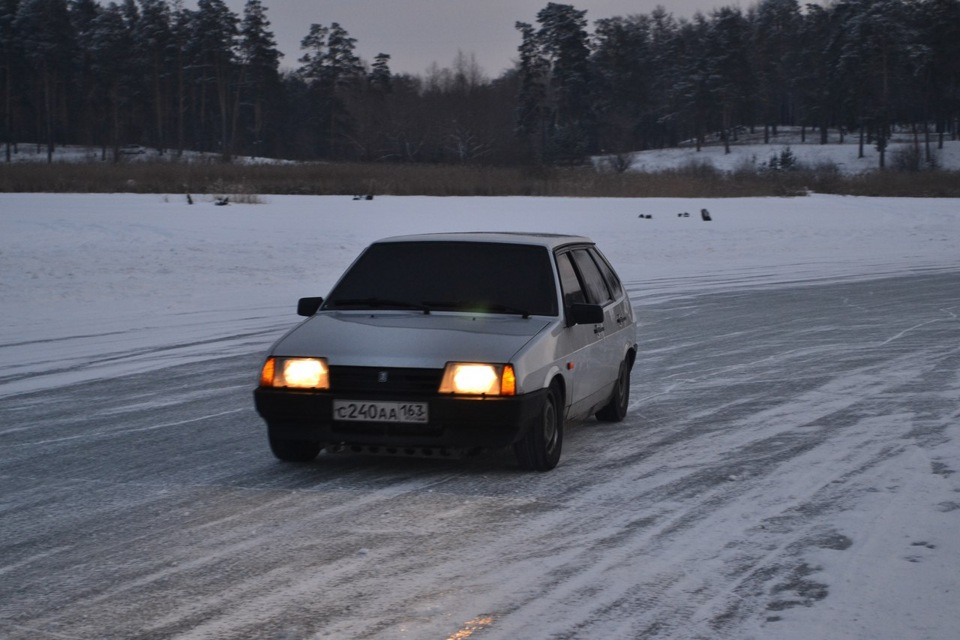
608	274
569	282
597	291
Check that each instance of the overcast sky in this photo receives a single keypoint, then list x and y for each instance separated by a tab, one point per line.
417	33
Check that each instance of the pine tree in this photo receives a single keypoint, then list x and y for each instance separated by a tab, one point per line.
260	61
212	49
370	112
730	82
88	113
877	34
333	71
313	45
534	72
775	49
49	45
694	101
380	78
564	42
180	26
816	79
156	55
113	69
666	109
10	55
938	24
622	60
556	110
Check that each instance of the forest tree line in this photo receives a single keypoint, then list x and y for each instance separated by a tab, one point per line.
154	73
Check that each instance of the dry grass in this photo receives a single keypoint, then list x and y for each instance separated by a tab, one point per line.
244	183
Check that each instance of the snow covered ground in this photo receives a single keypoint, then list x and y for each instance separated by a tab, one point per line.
751	153
108	274
106	287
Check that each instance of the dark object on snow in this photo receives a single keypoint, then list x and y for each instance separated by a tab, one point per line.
222	202
705	215
645	217
369	196
189	199
685	214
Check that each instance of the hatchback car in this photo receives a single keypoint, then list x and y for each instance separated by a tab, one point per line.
445	343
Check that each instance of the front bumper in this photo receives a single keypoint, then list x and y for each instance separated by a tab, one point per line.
454	422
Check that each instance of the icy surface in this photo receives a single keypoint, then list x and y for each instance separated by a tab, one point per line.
90	281
787	469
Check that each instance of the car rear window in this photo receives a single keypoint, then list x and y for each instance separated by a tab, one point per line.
467	276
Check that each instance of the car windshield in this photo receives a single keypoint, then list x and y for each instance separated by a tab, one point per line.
450	276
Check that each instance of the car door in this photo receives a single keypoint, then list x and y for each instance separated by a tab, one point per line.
576	343
620	324
605	352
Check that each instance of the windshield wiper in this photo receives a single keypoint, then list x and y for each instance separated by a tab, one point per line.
503	308
378	303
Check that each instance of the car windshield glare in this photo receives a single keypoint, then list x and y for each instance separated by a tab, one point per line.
481	277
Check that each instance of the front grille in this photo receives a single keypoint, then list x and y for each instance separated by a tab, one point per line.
385	380
386	429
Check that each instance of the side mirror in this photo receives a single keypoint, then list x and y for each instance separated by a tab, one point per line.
308	306
582	313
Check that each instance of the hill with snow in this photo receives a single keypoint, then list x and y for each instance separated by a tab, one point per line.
751	153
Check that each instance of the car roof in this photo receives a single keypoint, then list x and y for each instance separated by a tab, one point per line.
549	240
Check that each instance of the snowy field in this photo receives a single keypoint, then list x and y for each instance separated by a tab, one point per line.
96	278
751	153
681	531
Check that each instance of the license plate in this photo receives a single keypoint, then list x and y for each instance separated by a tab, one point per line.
380	411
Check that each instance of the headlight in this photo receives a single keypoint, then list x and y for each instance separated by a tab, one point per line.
296	373
479	379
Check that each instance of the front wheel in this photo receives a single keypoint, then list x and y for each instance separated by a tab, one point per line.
539	449
290	450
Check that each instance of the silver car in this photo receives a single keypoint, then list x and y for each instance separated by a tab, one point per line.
445	343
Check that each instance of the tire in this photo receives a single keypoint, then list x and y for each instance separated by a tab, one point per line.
290	450
616	409
539	448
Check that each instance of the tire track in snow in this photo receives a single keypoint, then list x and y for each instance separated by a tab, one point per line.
701	516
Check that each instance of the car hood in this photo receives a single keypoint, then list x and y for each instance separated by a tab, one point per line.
407	339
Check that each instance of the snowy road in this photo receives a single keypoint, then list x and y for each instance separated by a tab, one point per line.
787	470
